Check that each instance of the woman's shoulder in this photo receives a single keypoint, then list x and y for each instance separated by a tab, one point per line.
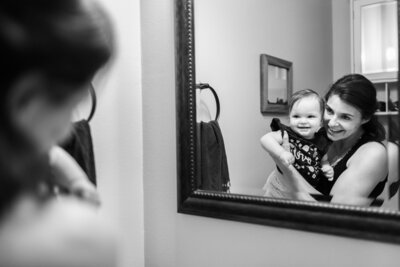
373	145
371	153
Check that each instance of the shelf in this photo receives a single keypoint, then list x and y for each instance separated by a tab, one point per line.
382	77
387	95
383	113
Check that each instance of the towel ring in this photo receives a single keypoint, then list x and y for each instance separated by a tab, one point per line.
94	101
202	86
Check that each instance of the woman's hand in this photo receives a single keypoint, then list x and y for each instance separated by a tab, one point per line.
68	175
286	157
285	141
85	190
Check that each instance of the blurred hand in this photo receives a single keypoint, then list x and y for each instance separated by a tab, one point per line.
86	191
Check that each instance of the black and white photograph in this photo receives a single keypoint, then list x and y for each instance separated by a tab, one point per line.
192	133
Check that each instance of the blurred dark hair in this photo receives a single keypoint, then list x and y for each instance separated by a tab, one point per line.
67	41
359	92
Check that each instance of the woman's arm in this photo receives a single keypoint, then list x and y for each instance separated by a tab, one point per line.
365	169
301	189
272	142
296	184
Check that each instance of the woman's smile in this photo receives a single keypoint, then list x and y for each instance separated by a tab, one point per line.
332	133
334	130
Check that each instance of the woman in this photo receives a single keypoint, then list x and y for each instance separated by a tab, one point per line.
357	153
50	50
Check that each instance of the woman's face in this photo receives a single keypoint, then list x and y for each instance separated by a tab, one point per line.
341	119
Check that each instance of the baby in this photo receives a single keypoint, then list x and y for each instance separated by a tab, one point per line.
307	140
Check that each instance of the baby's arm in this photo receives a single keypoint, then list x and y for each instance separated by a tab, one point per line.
272	143
68	174
326	168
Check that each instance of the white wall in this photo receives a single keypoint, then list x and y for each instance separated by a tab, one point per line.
117	132
230	36
341	34
159	135
179	240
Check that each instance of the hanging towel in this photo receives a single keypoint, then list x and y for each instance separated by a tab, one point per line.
214	165
80	146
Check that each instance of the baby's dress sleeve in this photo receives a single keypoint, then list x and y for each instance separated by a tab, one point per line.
276	125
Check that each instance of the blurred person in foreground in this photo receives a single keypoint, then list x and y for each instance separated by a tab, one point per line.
50	51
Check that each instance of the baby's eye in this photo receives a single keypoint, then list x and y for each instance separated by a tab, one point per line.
295	116
311	116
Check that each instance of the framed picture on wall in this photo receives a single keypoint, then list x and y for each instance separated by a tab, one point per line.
276	84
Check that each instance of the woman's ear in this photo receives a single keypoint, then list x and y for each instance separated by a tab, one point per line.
25	92
25	89
365	120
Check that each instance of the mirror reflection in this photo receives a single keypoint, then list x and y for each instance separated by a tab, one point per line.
339	141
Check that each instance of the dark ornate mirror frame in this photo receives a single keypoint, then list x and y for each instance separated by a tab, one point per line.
352	221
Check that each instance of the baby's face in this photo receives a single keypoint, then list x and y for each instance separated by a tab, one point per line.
305	117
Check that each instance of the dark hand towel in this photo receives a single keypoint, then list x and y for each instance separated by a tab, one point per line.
79	145
214	165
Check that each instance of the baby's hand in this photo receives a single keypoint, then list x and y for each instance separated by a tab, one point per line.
287	158
328	171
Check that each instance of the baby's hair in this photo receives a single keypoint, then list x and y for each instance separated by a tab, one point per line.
306	93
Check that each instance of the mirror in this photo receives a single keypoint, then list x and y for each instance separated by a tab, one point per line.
219	43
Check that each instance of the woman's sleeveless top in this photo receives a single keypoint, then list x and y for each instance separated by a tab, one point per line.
325	186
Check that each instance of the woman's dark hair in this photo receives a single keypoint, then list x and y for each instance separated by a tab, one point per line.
360	92
67	41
